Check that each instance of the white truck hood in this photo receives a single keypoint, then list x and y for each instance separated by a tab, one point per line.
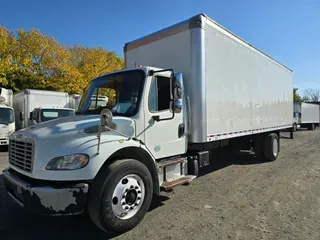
70	135
65	128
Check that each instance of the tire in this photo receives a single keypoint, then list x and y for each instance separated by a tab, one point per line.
271	147
104	205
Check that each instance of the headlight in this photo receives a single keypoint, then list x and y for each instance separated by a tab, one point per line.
69	162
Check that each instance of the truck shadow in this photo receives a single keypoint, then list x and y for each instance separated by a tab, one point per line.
223	158
16	224
3	148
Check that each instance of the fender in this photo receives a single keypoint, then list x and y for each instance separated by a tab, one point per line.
141	154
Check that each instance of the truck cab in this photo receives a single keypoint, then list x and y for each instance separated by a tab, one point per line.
7	124
7	118
69	160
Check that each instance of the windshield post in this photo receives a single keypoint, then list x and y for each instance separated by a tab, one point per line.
120	92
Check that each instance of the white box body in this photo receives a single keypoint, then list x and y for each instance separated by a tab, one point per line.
234	89
309	112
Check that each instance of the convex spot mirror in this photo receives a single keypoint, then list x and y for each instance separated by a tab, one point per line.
106	118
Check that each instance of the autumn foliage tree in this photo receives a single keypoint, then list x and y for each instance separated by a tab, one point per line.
30	59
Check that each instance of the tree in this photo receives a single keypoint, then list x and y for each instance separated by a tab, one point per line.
311	95
30	59
306	94
315	95
296	96
93	62
7	43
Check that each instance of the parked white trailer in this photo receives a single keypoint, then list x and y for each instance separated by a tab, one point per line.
7	121
200	87
306	115
34	106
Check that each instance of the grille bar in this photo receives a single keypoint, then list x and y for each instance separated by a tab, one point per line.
21	154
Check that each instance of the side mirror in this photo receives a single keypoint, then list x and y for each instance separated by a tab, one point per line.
21	116
178	93
106	118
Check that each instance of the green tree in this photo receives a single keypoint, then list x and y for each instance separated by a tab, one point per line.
296	97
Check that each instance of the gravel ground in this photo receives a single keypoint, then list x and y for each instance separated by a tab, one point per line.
240	199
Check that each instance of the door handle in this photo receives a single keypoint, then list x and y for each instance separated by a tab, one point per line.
181	130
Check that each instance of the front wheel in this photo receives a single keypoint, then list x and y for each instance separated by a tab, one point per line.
120	196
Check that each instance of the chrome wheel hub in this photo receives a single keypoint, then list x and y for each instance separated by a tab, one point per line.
128	196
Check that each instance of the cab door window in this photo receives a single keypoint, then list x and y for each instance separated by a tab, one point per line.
159	96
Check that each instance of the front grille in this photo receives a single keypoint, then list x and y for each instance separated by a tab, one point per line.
21	154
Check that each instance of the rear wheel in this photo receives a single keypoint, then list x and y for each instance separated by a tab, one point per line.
267	147
271	147
120	196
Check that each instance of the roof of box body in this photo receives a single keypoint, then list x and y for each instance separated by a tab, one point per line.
193	22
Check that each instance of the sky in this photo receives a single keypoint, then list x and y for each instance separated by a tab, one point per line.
287	30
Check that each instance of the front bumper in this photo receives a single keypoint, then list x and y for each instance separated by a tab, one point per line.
39	197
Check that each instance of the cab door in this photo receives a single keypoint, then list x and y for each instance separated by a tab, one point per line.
165	127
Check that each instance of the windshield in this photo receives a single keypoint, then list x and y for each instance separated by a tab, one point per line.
120	92
6	116
50	114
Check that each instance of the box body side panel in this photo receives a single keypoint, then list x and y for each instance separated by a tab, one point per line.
245	89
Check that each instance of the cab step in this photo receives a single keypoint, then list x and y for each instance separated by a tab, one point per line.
169	162
173	172
168	185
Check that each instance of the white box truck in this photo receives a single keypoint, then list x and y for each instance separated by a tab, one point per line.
99	100
34	106
306	115
200	87
7	120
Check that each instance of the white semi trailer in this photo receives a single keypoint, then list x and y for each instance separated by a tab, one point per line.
7	120
200	87
306	115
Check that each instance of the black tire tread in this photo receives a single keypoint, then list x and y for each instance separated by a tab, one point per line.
268	145
96	192
93	208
